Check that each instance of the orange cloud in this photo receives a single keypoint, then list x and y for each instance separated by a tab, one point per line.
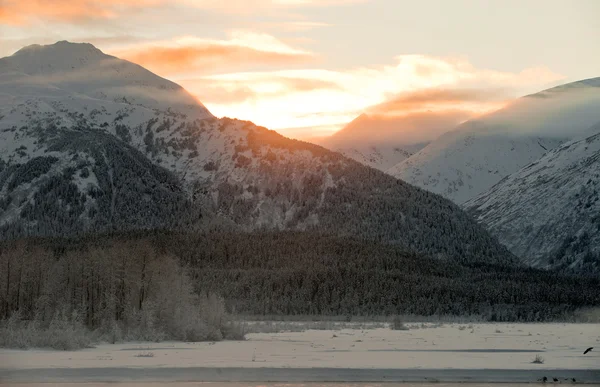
412	84
187	56
205	58
427	99
303	84
19	12
233	92
411	128
24	11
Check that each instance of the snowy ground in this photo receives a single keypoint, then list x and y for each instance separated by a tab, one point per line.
448	353
228	384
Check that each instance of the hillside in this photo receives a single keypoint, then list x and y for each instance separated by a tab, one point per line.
381	142
479	153
289	273
548	212
80	157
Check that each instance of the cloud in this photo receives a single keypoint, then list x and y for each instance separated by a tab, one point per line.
409	129
20	12
426	99
412	83
235	92
246	6
205	58
294	26
190	55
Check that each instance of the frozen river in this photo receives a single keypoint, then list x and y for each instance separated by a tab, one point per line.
476	353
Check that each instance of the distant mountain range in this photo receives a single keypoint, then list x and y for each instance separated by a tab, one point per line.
382	141
89	142
479	153
548	212
528	171
93	143
458	160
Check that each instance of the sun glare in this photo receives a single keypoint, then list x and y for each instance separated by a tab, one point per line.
298	100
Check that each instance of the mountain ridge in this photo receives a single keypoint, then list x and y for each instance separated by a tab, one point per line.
546	212
382	141
479	153
126	144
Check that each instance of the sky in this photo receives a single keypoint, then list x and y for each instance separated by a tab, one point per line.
308	67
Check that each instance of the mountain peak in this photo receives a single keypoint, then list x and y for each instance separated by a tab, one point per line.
546	212
588	83
83	69
61	48
55	58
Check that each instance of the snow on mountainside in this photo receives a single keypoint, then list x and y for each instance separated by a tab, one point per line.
479	153
381	141
86	71
381	157
548	213
461	164
91	142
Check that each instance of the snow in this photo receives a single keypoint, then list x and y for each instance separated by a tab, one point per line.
382	142
83	69
67	82
379	156
447	351
462	164
535	209
76	86
479	153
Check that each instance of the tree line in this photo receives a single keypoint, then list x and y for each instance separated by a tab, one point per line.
105	277
128	290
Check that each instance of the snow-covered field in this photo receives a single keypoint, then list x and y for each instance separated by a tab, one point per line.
426	352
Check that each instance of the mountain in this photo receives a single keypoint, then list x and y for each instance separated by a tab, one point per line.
381	142
479	153
465	162
548	212
65	68
138	152
70	159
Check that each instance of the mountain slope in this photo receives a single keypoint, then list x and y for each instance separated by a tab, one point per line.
107	159
548	212
381	142
88	179
464	163
86	71
479	153
378	156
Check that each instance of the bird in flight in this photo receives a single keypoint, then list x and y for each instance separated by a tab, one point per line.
588	350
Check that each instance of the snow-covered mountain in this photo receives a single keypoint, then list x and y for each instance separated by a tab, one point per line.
382	142
72	124
548	213
470	159
464	163
379	156
91	142
59	70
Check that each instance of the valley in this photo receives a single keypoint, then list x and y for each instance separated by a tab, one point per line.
129	213
299	193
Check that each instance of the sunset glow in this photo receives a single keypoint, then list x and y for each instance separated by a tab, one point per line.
295	65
